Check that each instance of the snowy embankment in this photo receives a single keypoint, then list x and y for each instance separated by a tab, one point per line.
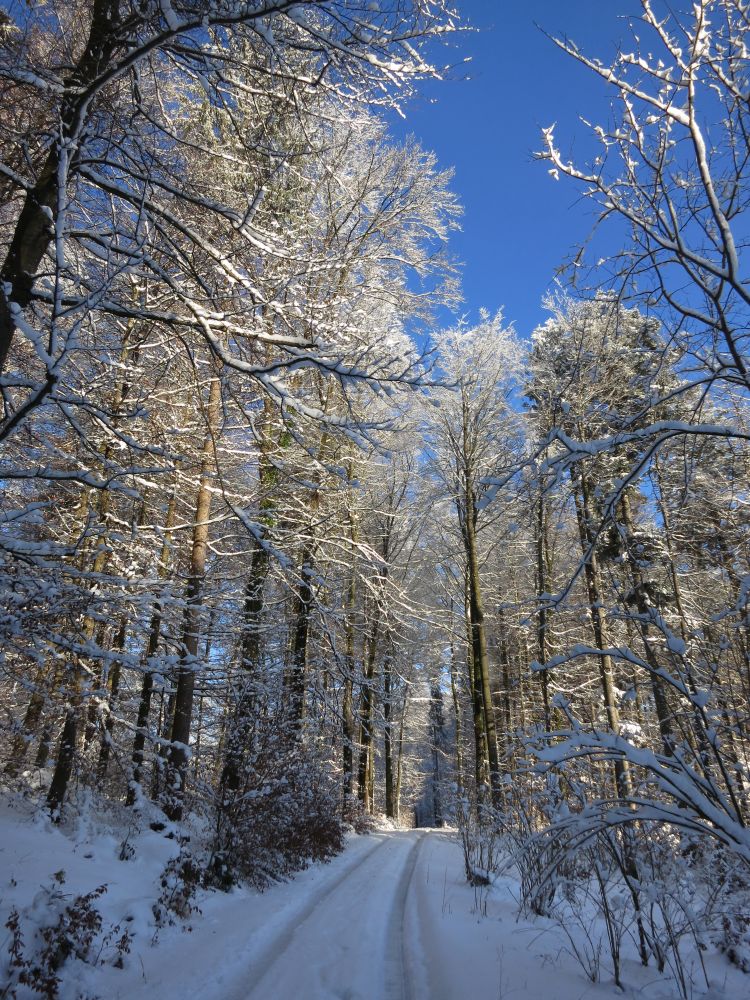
392	918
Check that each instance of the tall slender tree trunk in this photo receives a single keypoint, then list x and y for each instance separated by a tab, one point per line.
179	752
584	514
481	760
658	688
152	647
543	586
480	655
65	759
347	701
438	738
390	789
296	679
456	699
240	720
105	748
400	756
366	714
366	769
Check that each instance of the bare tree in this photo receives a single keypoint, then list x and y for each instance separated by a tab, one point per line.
673	170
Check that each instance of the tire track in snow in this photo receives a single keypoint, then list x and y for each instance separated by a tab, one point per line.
348	942
399	982
273	949
426	978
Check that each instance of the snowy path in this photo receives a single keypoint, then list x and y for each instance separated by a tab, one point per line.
392	918
336	932
349	942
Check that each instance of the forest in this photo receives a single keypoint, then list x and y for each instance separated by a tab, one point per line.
284	553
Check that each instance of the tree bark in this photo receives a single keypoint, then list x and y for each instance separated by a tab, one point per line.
65	758
152	647
543	571
347	702
455	697
179	752
481	761
479	653
238	726
114	690
658	689
366	713
584	515
296	680
35	226
390	797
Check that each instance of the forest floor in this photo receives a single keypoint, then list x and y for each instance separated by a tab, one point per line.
391	918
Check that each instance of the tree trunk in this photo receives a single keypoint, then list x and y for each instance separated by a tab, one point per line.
152	647
480	656
481	762
543	578
457	717
390	797
366	712
436	715
238	726
347	703
400	757
584	516
658	688
65	757
35	226
296	679
179	752
114	690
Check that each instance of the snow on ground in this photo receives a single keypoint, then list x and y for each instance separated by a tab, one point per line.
392	918
460	934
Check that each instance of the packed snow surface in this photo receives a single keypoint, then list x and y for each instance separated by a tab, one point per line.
391	918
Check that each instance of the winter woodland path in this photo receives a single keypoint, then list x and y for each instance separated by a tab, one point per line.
392	918
350	943
351	930
341	935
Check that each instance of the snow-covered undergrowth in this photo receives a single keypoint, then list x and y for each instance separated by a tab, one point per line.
90	894
631	904
99	892
109	904
480	941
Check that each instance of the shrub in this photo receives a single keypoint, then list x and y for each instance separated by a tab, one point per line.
284	814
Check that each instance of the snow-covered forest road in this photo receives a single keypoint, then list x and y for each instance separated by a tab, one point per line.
390	918
365	927
344	930
350	940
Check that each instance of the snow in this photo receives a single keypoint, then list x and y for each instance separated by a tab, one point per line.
44	869
173	22
391	917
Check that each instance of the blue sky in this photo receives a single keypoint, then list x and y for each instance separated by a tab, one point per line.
519	224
